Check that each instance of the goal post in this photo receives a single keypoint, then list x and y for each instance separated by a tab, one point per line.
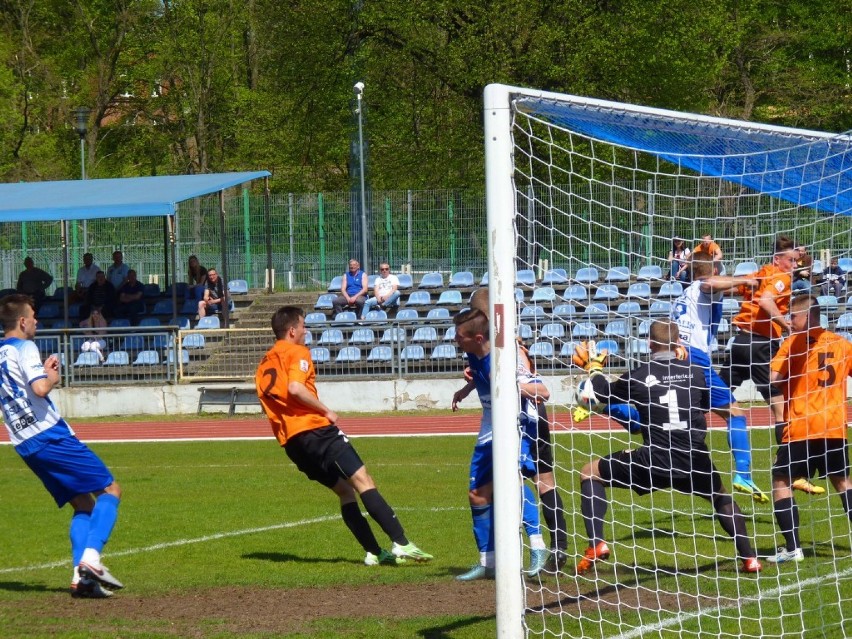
584	198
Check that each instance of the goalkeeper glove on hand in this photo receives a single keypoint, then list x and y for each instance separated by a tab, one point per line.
587	357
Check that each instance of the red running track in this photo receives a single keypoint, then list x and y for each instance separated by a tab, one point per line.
258	428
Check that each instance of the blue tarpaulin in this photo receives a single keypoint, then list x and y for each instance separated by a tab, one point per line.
116	197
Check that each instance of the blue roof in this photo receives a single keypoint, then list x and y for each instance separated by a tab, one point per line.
115	197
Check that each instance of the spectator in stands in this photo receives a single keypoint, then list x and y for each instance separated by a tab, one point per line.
385	291
802	272
215	295
95	341
85	278
117	271
33	282
353	290
196	278
130	299
710	247
101	295
679	260
833	280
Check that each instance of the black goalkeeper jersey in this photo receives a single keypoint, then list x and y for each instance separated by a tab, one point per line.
672	397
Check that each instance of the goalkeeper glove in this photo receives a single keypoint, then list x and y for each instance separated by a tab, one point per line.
587	357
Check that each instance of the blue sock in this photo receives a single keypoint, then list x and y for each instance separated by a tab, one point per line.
532	523
626	415
740	445
483	527
79	532
103	521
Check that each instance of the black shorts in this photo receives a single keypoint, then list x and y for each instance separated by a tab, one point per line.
324	454
541	448
633	469
750	357
811	457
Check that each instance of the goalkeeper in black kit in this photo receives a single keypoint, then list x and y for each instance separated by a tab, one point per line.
671	397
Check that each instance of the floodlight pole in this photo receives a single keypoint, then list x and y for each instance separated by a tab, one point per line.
359	93
81	125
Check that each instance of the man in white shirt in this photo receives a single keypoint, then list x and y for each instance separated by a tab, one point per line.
85	277
385	291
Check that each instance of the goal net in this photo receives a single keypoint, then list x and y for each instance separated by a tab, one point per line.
585	198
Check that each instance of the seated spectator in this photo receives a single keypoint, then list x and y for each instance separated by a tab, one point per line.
679	260
215	295
130	299
353	290
385	291
34	282
85	278
95	339
101	295
196	278
710	247
802	271
833	280
117	271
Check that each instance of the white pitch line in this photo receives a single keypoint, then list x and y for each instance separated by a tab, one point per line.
772	594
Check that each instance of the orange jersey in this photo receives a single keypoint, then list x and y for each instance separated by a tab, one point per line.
752	317
712	250
816	367
286	362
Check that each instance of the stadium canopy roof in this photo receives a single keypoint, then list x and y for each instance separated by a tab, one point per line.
115	197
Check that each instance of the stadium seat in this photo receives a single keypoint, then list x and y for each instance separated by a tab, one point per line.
484	280
425	334
147	358
320	355
575	293
60	293
449	334
724	325
189	307
160	340
413	352
617	328
325	302
846	335
331	336
419	298
150	321
407	314
844	322
660	307
133	343
597	309
525	331
345	317
122	358
543	295
565	311
315	318
438	314
432	280
335	284
350	354
405	281
88	358
552	331
151	291
618	274
823	321
47	345
371	281
644	328
730	306
7	291
376	316
77	342
584	330
444	351
309	338
541	349
525	277
193	341
628	308
164	307
845	264
607	292
827	302
745	268
183	323
462	279
362	336
610	345
48	311
637	346
670	289
74	310
532	312
587	275
380	354
519	295
171	359
179	289
450	298
639	290
208	322
119	322
61	323
555	276
567	349
817	268
394	334
650	272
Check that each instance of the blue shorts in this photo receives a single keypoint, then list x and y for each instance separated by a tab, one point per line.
720	393
482	464
68	468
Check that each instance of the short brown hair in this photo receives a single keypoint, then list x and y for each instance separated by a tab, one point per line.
664	335
809	302
479	300
284	319
784	243
475	318
702	265
12	309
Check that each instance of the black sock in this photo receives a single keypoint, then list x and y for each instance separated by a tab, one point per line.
554	518
787	516
780	427
846	500
593	505
731	519
383	515
359	527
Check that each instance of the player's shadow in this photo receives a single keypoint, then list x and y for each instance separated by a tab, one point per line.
283	557
17	586
441	632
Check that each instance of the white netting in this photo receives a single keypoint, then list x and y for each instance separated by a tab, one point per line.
594	226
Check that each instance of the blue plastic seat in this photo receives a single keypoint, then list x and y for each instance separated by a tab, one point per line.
844	322
309	338
188	307
164	307
419	298
545	295
637	347
730	306
462	279
393	335
525	277
565	311
47	345
552	331
405	281
193	341
345	317
745	268
587	275
376	316
575	293
133	343
525	331
208	322
618	274
845	264
362	336
119	322
407	314
555	276
350	354
450	334
151	291
335	284
610	345
315	318
567	349
660	307
380	354
639	290
74	310
171	359
183	323
670	289
644	328
541	349
413	352
332	336
425	334
438	314
48	311
450	297
150	321
650	272
88	358
484	280
371	281
160	340
444	351
432	280
325	301
597	309
629	308
60	293
584	330
179	289
616	328
320	355
147	358
532	312
238	287
607	292
828	302
122	358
